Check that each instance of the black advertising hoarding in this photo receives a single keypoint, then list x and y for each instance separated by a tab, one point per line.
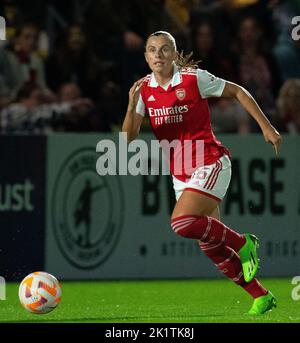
22	205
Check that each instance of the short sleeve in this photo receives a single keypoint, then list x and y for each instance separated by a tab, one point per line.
209	85
140	106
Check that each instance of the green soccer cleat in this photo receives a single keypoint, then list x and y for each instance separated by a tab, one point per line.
263	304
248	256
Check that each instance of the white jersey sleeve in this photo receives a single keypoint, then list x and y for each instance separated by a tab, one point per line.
209	85
140	106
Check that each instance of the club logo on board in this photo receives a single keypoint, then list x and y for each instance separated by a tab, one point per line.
87	211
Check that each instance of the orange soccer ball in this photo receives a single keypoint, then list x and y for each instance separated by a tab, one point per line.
39	292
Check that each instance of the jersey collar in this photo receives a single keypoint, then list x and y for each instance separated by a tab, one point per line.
176	79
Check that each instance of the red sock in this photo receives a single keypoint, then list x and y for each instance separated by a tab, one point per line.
207	229
254	288
228	262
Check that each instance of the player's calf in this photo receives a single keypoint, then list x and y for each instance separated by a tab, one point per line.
207	229
190	226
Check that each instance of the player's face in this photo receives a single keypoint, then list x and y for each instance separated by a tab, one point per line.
160	54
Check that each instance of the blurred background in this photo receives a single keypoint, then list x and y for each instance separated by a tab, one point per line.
77	59
65	71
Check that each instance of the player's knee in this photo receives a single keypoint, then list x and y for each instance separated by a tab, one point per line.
181	225
188	226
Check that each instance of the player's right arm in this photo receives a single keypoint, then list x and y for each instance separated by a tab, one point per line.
133	120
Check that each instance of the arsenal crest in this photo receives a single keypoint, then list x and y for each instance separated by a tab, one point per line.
180	93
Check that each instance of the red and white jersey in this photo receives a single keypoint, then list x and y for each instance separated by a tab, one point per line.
179	111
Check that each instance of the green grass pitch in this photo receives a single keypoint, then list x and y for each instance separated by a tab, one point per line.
172	301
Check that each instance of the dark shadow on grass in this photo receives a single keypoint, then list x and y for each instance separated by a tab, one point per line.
105	319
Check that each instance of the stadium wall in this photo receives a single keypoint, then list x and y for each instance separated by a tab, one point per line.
87	226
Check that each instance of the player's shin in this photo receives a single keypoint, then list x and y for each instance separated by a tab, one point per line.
229	264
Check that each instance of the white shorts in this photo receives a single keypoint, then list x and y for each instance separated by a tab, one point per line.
212	180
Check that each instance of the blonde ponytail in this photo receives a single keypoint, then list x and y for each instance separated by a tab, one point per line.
185	61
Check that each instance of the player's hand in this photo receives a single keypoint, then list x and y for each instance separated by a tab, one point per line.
134	93
273	137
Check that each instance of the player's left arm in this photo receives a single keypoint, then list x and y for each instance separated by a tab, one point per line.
271	135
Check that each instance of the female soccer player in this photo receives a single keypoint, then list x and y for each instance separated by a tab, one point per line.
175	98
